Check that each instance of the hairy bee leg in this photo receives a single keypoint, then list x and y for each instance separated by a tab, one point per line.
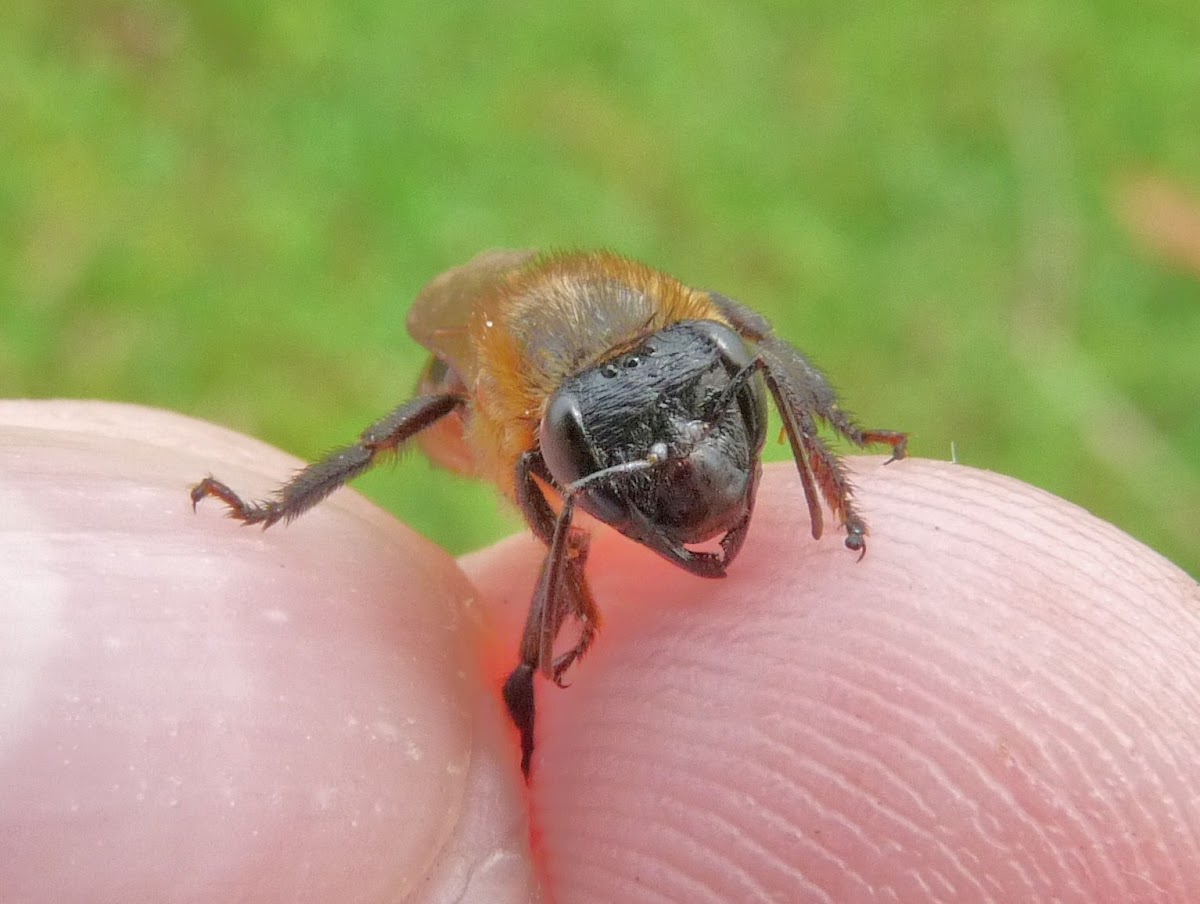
518	687
575	592
800	443
806	386
841	422
538	514
817	463
805	378
830	476
546	613
802	393
562	592
318	480
809	391
578	602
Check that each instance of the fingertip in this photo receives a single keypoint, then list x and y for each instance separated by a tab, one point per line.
203	712
949	719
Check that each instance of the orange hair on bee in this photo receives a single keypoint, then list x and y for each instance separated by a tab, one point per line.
544	322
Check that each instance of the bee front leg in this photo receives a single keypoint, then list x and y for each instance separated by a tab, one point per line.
318	480
542	625
562	591
802	394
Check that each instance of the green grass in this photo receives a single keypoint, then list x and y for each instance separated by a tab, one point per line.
224	209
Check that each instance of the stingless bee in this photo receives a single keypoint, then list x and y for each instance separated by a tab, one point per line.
589	380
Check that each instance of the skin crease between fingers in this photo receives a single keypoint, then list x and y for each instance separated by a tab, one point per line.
997	704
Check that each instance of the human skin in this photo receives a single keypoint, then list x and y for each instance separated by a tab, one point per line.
997	704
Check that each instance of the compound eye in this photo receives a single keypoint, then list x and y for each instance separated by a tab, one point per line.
566	449
731	347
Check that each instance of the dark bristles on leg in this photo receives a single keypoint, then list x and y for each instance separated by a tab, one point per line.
318	480
803	395
577	602
562	592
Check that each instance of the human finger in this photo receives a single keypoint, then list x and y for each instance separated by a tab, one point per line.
197	711
997	704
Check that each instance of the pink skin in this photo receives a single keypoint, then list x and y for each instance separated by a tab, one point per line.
997	705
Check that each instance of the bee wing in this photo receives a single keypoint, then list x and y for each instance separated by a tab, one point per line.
440	317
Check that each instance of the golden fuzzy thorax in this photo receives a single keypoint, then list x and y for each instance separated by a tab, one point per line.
540	324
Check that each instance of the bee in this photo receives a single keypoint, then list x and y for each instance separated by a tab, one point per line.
588	381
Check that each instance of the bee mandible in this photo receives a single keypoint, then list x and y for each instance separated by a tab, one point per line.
590	381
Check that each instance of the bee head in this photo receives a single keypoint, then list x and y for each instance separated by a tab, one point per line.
662	441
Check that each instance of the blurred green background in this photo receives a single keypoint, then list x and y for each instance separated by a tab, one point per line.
983	220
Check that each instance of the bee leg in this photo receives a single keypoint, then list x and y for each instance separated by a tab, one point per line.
318	480
518	687
562	592
538	514
579	603
544	523
802	393
825	469
518	698
559	581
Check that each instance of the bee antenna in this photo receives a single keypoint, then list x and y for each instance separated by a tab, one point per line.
657	455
